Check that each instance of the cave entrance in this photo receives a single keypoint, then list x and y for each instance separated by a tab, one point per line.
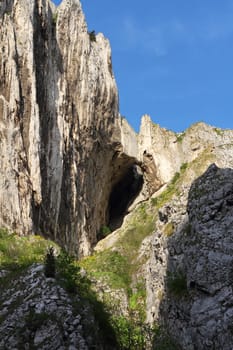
123	194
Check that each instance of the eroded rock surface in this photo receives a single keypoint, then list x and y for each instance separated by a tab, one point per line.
61	150
190	283
38	313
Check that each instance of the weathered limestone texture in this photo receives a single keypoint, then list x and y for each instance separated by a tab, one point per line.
59	123
36	312
189	274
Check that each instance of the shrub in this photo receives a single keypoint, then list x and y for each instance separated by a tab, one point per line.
55	16
183	167
92	35
104	232
180	136
218	131
49	264
68	272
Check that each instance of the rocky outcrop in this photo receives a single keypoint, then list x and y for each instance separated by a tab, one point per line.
61	150
184	259
189	277
36	312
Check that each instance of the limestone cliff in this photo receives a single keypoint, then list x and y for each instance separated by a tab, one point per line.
61	150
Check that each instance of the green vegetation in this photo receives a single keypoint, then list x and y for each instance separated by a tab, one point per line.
183	167
104	232
180	137
171	189
118	268
168	229
55	16
219	131
130	335
177	283
137	336
49	263
70	277
92	36
200	164
110	266
19	252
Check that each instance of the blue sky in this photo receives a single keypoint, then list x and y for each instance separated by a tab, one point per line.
172	59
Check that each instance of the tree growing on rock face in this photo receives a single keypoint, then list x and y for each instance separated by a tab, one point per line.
50	263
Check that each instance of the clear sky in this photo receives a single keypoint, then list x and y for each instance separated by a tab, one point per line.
172	59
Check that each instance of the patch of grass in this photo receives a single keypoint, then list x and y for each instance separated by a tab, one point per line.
180	137
167	194
172	188
219	131
118	268
137	302
177	283
133	237
20	252
200	164
110	266
168	229
183	167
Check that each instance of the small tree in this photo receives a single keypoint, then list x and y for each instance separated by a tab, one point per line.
92	35
50	263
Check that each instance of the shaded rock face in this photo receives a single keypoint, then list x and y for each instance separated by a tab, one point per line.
61	149
190	283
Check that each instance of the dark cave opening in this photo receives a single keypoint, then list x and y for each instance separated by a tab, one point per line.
122	196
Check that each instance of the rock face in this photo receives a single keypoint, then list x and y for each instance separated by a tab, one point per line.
186	257
189	276
38	313
60	130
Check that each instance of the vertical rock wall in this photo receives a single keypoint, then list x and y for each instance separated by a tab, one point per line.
58	123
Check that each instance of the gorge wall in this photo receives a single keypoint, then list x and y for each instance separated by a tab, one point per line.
60	141
65	150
